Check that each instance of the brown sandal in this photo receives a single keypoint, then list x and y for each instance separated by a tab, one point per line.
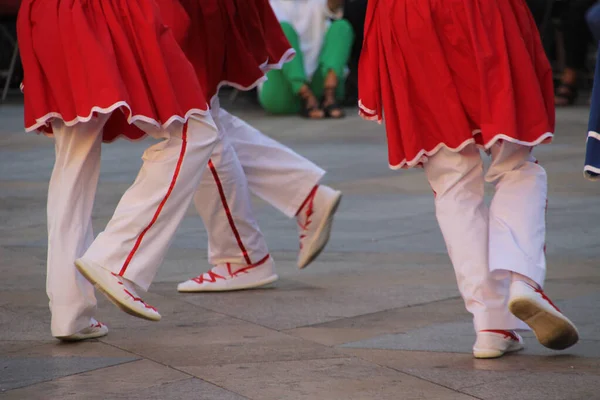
310	104
566	95
333	109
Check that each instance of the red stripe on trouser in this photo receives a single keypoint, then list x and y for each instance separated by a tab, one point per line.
138	242
228	212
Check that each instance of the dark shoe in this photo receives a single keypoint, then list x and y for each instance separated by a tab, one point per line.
331	107
565	95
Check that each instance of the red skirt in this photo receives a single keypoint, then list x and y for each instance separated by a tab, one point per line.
447	73
245	41
82	57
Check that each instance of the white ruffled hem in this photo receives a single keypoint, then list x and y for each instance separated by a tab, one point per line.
287	57
132	119
368	114
265	67
423	155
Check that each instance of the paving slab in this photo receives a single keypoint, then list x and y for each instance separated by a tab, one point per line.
186	389
104	383
20	372
514	376
226	343
548	386
366	326
458	336
323	379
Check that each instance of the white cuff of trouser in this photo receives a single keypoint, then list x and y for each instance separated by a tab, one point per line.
498	319
69	319
535	273
302	193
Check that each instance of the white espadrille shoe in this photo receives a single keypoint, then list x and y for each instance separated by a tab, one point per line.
118	290
95	330
315	219
229	277
494	343
531	305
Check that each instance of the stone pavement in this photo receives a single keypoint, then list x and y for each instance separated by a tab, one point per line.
377	316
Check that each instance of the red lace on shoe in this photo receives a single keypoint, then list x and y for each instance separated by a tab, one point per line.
247	268
506	334
148	306
96	325
541	292
212	277
309	203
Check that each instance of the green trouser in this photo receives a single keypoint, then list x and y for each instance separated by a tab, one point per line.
279	94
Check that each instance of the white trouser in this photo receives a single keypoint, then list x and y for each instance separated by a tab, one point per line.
70	201
247	159
484	244
224	204
140	231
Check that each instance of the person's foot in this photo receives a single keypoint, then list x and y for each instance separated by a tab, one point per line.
531	305
330	105
118	290
95	330
315	219
493	343
228	277
310	104
566	91
566	95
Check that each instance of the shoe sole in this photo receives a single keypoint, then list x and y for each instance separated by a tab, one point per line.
124	307
552	330
72	338
488	354
252	285
322	234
